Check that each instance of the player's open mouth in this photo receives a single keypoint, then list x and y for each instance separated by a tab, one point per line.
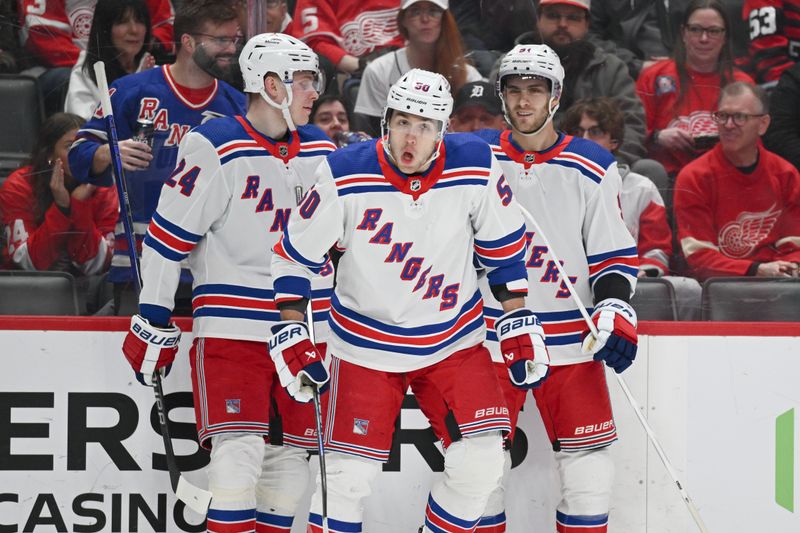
407	157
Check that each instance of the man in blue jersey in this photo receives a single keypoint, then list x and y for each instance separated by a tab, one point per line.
237	182
408	212
153	110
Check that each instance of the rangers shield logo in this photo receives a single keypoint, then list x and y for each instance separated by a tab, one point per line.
232	406
360	426
416	185
283	150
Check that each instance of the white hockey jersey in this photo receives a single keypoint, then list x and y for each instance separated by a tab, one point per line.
406	292
572	190
224	207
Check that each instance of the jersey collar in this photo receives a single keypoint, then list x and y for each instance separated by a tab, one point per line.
513	150
414	184
282	150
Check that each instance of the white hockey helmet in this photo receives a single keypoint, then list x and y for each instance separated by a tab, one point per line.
282	55
422	93
537	61
278	53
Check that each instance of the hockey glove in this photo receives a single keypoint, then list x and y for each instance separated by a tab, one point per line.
616	341
298	362
148	348
522	344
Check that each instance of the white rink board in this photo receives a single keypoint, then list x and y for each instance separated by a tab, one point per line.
712	401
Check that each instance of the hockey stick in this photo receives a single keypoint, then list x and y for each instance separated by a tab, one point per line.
194	497
323	473
624	386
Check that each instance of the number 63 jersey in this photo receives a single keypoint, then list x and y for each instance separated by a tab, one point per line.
224	207
406	294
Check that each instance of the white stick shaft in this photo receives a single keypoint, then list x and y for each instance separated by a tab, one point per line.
624	386
102	85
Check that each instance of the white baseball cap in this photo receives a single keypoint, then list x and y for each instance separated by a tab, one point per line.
444	4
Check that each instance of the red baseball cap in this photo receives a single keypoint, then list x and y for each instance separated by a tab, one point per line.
577	3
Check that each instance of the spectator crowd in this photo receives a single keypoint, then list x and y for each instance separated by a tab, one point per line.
700	116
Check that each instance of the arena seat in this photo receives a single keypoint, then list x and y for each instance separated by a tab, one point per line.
37	293
752	299
654	300
22	110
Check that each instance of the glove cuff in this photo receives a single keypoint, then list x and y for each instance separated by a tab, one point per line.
618	307
518	322
286	334
168	337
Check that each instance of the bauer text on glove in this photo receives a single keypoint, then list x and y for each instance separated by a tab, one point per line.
298	362
149	348
522	344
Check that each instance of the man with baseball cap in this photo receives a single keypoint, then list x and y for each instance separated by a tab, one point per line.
476	108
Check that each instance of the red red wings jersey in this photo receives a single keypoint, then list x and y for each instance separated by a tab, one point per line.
334	28
55	31
646	218
658	87
84	238
727	219
774	36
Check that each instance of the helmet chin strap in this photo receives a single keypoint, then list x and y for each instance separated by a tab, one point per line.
283	106
540	128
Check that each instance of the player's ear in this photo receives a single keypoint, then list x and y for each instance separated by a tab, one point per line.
271	86
187	42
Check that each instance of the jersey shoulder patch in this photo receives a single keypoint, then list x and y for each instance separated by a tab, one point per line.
311	133
466	150
590	151
488	135
360	158
222	130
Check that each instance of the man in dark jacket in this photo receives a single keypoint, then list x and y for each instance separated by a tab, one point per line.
589	71
783	135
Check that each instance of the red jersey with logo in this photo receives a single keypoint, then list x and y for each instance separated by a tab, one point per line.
55	31
658	86
728	219
83	239
334	28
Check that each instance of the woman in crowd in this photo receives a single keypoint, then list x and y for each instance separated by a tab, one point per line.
433	43
120	37
679	94
49	221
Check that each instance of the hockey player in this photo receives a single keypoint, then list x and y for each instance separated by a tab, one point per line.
236	182
571	186
153	110
407	212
